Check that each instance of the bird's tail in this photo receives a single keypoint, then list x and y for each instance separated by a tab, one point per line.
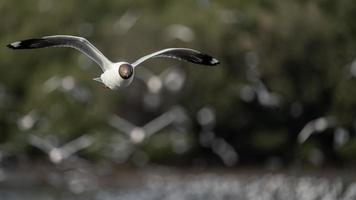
98	79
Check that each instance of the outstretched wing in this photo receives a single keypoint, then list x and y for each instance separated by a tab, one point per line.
78	43
189	55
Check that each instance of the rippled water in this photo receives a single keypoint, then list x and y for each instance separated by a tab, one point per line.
176	185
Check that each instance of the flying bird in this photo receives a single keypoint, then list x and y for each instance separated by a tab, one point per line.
115	74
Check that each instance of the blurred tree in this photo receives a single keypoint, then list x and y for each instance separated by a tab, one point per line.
283	64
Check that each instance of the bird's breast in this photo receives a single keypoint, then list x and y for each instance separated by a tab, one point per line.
112	79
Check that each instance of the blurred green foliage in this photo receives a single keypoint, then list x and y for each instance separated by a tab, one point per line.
305	52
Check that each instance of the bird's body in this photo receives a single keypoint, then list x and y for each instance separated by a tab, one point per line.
115	74
111	79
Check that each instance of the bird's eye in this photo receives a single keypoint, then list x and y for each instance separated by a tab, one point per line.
125	71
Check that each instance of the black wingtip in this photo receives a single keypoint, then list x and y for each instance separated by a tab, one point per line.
11	46
16	45
208	60
28	44
214	61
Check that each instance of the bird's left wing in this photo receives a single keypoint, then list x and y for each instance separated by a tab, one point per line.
185	54
78	43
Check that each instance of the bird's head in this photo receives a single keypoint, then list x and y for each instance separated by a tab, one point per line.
125	71
121	75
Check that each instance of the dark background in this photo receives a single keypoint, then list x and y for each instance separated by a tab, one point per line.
287	71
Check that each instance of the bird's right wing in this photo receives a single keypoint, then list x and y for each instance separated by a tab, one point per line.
78	43
76	145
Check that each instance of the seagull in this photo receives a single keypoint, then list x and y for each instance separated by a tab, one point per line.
115	74
138	134
59	153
